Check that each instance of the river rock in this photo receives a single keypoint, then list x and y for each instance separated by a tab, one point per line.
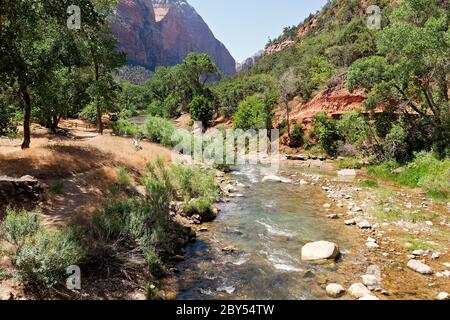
371	282
419	267
327	206
350	222
358	290
334	290
364	224
443	296
320	250
333	216
298	157
303	182
274	178
347	173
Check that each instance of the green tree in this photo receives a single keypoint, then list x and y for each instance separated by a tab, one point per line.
201	110
412	66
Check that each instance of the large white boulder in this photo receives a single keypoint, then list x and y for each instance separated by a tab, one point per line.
274	178
320	250
358	290
334	290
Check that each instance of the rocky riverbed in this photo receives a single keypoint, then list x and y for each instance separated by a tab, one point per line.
392	243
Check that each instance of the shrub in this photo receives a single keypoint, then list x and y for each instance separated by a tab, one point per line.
123	177
201	110
326	132
353	129
40	256
156	109
349	163
297	136
124	127
8	125
159	130
250	114
198	188
89	113
18	226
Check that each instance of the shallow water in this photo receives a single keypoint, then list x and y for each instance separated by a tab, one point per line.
269	225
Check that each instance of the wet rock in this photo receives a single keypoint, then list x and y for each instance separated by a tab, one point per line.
359	290
178	258
274	178
320	250
334	290
443	296
419	267
371	281
308	274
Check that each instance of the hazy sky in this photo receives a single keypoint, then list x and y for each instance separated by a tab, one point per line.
245	26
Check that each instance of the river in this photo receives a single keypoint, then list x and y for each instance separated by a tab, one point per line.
269	225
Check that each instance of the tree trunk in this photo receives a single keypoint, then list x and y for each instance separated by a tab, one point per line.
26	118
97	103
288	120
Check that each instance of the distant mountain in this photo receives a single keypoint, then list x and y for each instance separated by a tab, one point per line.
247	63
163	32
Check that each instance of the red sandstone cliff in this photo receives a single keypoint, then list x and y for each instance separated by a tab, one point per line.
163	32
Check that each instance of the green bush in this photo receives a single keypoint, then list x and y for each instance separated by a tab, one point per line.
160	130
198	188
297	139
349	163
326	132
89	113
156	109
40	256
18	226
43	260
123	177
124	127
250	114
201	110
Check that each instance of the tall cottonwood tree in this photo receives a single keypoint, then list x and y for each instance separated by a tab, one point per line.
412	67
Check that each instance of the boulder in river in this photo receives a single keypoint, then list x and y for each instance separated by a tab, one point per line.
334	290
419	267
274	178
320	250
358	290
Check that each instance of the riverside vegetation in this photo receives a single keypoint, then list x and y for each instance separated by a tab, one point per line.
404	68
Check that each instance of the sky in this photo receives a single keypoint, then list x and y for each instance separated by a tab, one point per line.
244	26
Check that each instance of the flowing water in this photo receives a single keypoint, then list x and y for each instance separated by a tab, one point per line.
269	225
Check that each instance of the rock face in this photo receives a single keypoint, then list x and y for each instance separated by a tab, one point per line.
321	250
163	32
24	189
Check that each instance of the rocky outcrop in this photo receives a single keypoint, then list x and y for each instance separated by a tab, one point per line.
24	189
249	62
163	32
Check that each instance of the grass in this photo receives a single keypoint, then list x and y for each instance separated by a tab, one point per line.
419	244
123	177
425	171
368	184
349	163
411	216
